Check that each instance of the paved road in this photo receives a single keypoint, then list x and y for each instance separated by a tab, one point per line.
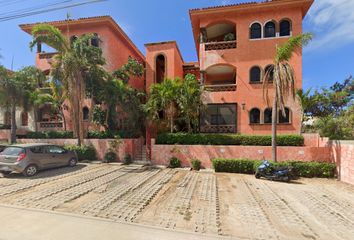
20	223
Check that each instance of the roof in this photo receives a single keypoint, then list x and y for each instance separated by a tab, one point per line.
166	42
96	19
248	4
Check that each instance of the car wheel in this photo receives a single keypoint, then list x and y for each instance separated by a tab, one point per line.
30	170
72	162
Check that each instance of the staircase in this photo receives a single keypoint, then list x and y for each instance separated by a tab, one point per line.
140	157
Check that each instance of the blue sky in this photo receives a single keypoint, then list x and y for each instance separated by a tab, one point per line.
329	58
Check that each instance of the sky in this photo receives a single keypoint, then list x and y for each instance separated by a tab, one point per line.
327	59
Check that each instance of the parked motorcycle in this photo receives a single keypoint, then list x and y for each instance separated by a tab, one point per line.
268	171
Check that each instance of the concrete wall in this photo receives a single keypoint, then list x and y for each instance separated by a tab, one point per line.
205	153
128	146
343	155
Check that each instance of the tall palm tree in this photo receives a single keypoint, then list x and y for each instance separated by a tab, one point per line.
283	78
70	64
306	102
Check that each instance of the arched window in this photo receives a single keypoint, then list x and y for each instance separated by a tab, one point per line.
24	119
85	113
269	71
268	115
269	30
255	31
73	39
255	74
285	28
255	116
95	41
160	68
286	118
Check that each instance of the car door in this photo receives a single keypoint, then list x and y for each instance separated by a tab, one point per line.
39	157
57	156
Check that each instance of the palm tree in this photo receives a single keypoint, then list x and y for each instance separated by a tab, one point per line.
163	98
70	64
189	100
283	78
306	102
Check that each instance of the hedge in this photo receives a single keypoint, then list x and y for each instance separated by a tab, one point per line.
4	126
50	135
112	134
227	139
83	152
301	169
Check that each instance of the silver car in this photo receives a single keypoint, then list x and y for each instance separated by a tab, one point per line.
30	158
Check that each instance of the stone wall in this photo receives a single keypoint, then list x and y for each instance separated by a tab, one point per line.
343	156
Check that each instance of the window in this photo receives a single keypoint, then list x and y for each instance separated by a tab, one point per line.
269	72
269	30
255	74
286	118
268	115
55	150
285	28
24	119
95	41
85	113
160	68
37	149
256	31
219	118
255	116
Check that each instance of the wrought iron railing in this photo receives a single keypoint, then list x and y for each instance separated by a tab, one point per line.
218	129
50	125
220	87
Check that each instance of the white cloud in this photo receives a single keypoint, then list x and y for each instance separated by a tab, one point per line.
332	22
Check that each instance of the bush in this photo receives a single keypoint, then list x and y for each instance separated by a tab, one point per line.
4	126
227	139
83	152
175	162
229	37
50	135
196	164
111	134
301	169
110	156
128	159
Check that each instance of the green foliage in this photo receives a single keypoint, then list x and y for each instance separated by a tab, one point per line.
175	162
83	152
131	68
99	116
227	139
112	134
196	164
340	128
128	159
50	135
301	169
229	37
285	51
4	126
110	156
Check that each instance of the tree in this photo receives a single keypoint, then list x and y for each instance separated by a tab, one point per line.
163	98
15	89
189	101
306	103
282	76
70	64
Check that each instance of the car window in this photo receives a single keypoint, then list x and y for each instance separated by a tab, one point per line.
37	149
13	151
55	149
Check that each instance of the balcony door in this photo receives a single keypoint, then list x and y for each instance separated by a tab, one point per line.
219	118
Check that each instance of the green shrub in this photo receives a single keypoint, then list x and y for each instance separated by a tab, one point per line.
227	139
50	135
5	126
229	37
128	159
84	152
301	169
111	134
196	164
175	162
110	156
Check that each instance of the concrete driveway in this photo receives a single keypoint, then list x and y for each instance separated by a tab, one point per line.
220	205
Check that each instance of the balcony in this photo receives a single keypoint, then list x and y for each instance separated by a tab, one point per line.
220	87
44	55
220	45
50	126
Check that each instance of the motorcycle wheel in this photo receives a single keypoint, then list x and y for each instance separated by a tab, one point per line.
258	176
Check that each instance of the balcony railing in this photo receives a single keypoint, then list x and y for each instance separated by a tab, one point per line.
51	126
220	87
218	129
220	45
